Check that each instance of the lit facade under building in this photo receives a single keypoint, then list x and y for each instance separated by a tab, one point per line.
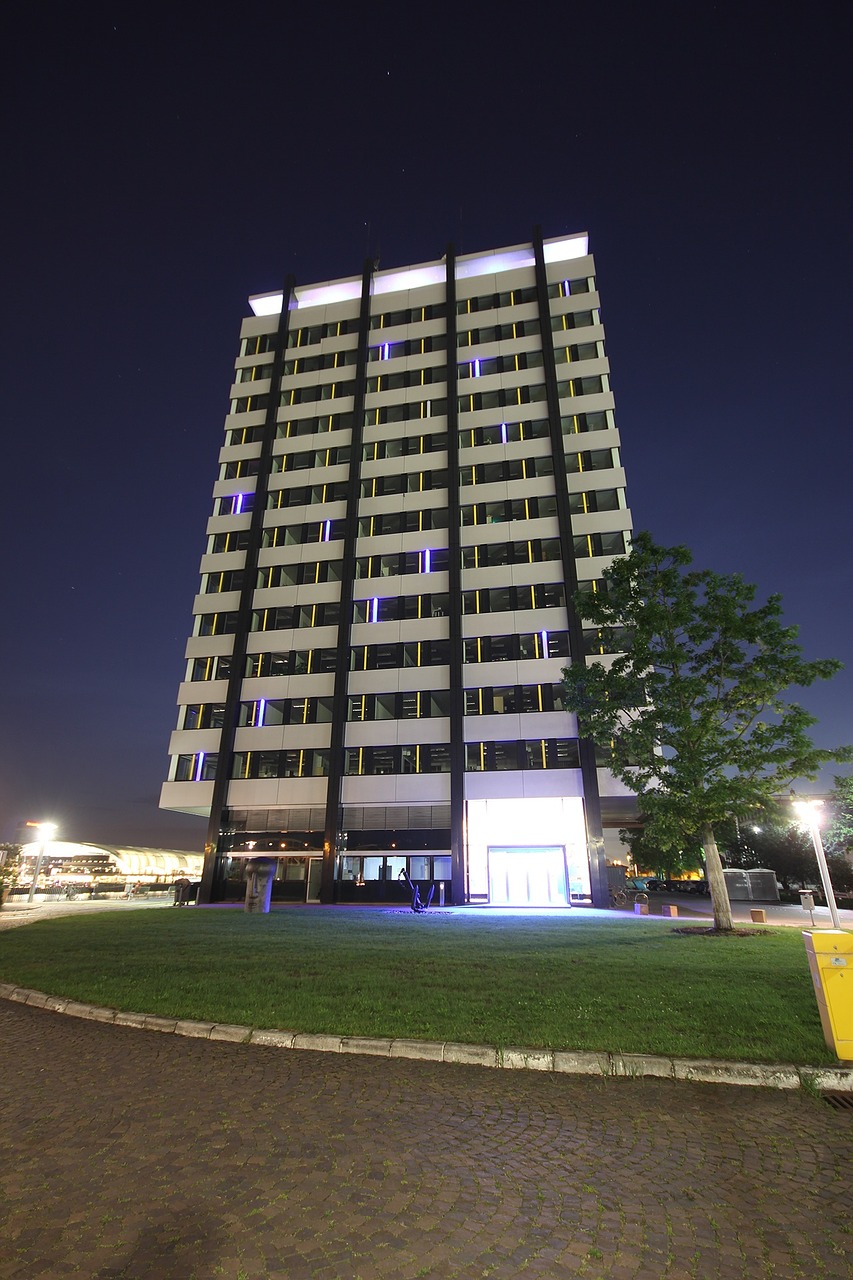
419	469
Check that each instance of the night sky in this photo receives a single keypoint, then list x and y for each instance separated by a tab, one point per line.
164	162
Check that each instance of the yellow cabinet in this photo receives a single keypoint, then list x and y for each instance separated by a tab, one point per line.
830	953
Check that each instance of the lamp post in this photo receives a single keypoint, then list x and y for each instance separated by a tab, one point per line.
808	812
46	830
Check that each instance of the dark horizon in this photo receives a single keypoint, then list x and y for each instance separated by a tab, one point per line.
165	167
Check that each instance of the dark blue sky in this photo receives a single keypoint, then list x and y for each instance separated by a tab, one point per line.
163	163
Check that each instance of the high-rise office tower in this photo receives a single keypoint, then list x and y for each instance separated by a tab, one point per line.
420	468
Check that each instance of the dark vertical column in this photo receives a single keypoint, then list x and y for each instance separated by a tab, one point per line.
586	747
210	888
331	834
457	694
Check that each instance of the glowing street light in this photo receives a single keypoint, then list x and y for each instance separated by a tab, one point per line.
808	811
46	832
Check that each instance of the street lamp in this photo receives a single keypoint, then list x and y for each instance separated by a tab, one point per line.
808	811
46	830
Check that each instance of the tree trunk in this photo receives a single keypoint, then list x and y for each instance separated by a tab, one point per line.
716	880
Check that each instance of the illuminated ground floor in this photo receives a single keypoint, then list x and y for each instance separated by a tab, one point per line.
522	851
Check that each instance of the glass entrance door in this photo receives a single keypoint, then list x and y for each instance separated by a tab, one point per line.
527	876
315	872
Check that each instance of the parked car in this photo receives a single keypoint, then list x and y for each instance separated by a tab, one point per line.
653	885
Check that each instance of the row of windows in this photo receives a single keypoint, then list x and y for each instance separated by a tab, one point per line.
412	315
309	395
422	377
297	575
258	344
304	459
312	364
313	425
498	333
306	763
485	366
421	704
430	560
544	595
492	555
295	535
296	662
491	301
411	346
293	617
393	564
569	288
531	644
301	495
579	351
408	347
387	657
402	522
397	608
508	509
507	469
269	712
433	442
411	482
537	753
254	372
403	412
514	699
408	482
508	397
248	404
535	429
311	334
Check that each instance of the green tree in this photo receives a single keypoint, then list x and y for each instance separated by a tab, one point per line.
839	834
691	711
647	855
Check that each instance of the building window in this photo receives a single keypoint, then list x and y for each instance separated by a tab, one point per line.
388	657
536	753
535	644
308	762
418	758
200	767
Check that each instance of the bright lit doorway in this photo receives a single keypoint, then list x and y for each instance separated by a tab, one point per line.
527	876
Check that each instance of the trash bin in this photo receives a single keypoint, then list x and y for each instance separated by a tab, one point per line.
830	953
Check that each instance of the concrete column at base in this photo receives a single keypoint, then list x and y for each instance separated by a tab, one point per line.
260	874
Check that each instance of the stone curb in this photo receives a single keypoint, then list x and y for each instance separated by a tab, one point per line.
561	1062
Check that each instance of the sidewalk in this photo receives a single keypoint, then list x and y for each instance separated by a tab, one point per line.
125	1155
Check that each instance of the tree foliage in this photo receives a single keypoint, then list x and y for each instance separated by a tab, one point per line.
839	834
692	711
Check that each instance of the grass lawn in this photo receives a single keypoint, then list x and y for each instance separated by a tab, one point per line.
562	982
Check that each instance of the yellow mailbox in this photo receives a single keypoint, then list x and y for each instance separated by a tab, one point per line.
830	953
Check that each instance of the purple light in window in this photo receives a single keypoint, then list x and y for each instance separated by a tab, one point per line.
238	503
386	350
199	766
475	368
567	288
426	562
262	706
503	433
374	609
544	635
327	531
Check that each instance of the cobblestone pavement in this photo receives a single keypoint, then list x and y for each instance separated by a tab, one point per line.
127	1154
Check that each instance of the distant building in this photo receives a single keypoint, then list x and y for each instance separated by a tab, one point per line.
419	468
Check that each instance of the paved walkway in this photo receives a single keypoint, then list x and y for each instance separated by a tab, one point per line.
126	1154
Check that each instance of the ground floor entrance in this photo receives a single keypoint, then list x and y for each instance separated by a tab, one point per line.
525	876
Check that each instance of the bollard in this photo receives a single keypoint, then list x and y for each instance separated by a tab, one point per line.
669	909
441	893
759	915
260	873
641	908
